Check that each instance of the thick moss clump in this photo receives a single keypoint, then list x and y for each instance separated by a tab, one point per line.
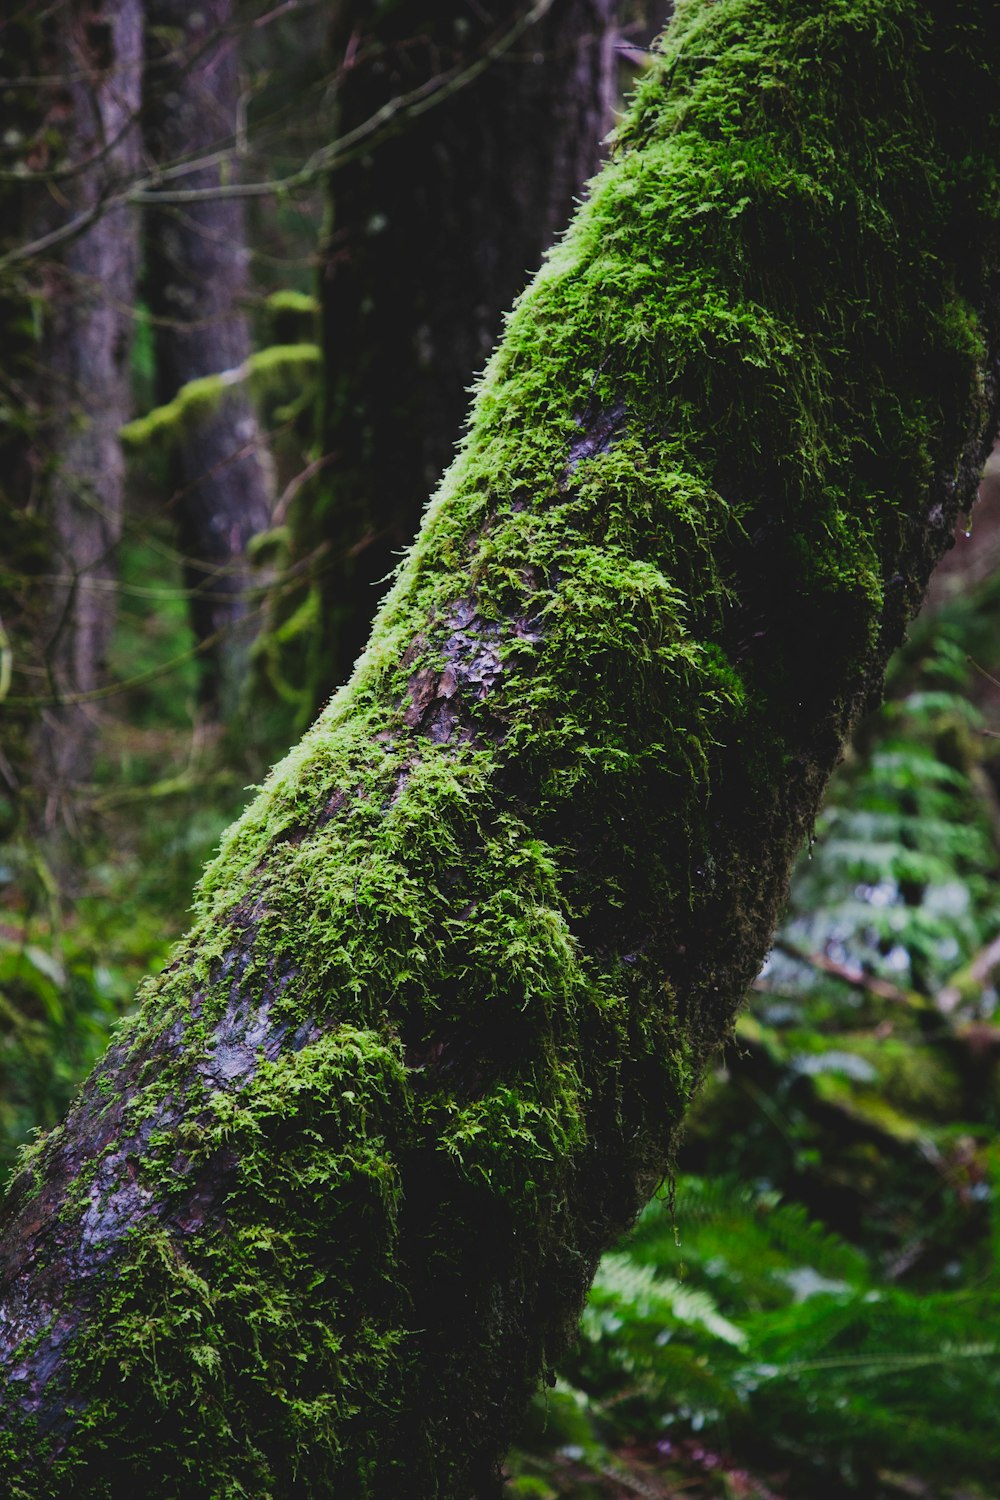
332	1204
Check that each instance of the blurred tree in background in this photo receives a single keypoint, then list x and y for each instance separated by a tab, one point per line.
197	289
73	145
428	241
809	1310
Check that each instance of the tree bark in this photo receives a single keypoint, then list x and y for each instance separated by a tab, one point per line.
431	236
331	1204
83	384
23	602
197	285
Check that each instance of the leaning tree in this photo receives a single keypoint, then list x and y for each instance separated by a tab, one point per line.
329	1208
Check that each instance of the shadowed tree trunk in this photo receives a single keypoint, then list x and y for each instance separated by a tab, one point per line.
332	1203
196	280
431	237
23	594
83	379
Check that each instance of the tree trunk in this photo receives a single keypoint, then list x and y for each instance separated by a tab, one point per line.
84	378
431	237
332	1203
197	283
23	595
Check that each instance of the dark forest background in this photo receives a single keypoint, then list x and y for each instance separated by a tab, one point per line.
251	258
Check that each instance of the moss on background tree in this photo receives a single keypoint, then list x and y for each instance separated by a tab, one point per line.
331	1205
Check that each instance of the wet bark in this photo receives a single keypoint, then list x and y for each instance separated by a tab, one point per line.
431	236
83	379
330	1206
197	282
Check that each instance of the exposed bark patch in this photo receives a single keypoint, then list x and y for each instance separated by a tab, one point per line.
241	1038
117	1203
334	804
442	700
601	428
423	686
206	1189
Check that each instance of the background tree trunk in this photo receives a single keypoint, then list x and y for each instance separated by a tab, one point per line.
23	596
332	1202
83	383
196	280
431	236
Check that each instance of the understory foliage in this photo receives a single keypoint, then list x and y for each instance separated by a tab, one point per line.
814	1312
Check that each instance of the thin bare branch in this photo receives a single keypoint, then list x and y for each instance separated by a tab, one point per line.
857	979
384	123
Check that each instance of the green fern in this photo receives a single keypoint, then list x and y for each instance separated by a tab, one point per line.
743	1314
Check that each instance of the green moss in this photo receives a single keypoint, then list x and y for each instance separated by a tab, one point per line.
265	372
289	301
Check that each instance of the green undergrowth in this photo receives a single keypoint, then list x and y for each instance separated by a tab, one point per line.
813	1314
733	1325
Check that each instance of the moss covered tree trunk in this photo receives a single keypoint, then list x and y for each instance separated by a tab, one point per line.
197	282
431	236
83	381
331	1205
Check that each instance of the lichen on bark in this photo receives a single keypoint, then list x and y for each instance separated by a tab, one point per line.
331	1205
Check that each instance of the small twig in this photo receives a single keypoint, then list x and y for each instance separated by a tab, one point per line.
869	984
382	124
976	972
293	486
989	678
